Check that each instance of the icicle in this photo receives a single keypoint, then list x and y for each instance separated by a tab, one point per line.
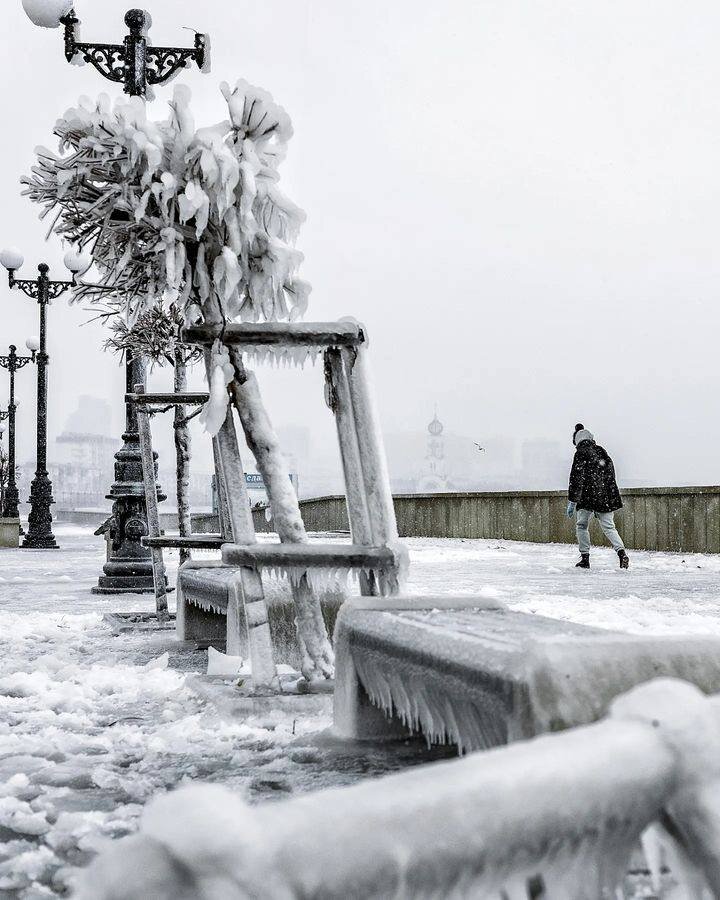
280	357
322	580
652	848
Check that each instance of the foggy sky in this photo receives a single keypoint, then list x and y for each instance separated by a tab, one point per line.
519	199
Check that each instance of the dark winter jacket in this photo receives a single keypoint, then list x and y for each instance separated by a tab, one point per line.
592	479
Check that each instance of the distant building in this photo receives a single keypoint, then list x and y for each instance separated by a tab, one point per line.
433	479
82	458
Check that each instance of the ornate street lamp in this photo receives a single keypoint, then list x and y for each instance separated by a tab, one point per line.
13	363
42	289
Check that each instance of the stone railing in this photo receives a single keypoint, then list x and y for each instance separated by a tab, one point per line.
681	519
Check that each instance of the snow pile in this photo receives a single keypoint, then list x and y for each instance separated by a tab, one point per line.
222	665
559	814
92	726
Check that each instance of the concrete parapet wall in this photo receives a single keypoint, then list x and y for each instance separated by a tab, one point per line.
680	519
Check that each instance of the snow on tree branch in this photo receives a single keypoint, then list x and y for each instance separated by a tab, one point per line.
178	215
155	335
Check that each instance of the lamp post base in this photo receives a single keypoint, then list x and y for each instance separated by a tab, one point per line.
39	535
12	501
128	569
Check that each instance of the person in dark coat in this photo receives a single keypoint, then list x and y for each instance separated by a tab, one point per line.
594	492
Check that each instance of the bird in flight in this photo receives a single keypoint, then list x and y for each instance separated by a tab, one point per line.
480	449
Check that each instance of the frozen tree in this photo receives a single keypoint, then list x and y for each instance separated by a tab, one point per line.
155	336
193	217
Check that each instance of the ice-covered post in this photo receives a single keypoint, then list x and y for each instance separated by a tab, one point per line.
337	396
373	463
151	505
181	434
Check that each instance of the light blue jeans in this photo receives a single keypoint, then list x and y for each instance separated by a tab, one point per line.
607	523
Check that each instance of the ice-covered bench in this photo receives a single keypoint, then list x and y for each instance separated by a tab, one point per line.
554	817
473	673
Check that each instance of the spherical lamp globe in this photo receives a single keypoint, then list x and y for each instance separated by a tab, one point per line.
47	13
11	258
33	344
78	261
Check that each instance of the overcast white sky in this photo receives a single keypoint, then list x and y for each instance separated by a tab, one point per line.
519	198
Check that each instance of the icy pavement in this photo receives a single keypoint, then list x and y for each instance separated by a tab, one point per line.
92	724
661	593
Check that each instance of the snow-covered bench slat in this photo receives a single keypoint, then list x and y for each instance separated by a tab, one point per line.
284	334
191	542
553	817
190	399
463	671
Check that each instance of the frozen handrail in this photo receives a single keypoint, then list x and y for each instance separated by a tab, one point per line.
557	816
266	334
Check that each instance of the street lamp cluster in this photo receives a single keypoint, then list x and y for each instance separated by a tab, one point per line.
43	290
137	65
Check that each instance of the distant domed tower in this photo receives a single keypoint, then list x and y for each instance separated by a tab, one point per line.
434	478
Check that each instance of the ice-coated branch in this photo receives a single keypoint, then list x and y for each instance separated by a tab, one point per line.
181	434
166	208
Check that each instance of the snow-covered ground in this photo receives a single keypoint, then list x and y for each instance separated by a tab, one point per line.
91	725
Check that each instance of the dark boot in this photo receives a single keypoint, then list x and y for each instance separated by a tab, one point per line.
584	561
624	559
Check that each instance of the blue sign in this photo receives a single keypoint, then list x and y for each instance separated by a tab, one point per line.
256	482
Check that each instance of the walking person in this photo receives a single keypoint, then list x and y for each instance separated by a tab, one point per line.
594	492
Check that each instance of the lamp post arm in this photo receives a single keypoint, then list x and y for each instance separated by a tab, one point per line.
42	287
14	363
165	62
133	63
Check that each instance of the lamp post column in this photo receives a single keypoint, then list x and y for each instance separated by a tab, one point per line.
40	535
12	498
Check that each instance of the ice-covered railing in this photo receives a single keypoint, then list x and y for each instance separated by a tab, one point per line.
557	817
